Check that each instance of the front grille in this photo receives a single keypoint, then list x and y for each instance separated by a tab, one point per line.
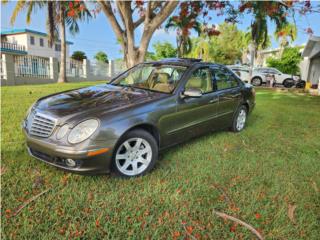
41	125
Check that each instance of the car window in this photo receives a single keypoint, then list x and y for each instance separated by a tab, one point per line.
261	70
200	79
233	81
161	78
224	79
274	71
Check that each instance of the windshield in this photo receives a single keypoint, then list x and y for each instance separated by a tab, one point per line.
160	78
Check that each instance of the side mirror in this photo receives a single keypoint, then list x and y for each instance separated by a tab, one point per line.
192	93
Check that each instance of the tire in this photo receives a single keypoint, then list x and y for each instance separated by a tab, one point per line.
301	84
256	81
288	83
132	160
239	119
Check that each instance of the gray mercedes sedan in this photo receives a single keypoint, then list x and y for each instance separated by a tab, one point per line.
121	126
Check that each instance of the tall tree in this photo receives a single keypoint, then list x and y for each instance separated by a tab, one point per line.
101	57
183	26
275	11
60	15
121	15
285	35
226	47
78	55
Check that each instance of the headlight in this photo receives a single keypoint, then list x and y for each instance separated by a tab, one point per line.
62	131
83	131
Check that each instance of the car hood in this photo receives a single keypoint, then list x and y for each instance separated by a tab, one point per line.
105	97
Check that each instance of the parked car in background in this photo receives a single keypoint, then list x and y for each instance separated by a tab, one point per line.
243	72
122	125
259	76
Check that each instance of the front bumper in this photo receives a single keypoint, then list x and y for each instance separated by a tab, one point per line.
56	155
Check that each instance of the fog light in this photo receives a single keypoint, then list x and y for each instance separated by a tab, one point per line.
70	163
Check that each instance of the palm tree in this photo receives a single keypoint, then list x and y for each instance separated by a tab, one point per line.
285	35
184	43
60	14
262	11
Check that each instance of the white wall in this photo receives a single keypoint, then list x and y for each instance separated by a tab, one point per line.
20	39
36	49
304	68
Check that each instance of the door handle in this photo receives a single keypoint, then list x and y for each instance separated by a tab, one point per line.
214	100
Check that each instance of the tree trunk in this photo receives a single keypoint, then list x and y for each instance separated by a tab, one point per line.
131	58
62	73
252	49
125	32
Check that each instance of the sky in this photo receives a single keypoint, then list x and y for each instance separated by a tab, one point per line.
97	35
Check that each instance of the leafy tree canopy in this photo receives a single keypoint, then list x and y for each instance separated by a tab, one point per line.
289	61
78	55
163	50
101	57
225	48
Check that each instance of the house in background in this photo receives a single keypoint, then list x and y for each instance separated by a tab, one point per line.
310	66
27	58
263	55
30	42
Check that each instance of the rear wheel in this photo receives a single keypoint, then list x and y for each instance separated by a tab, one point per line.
239	119
288	83
256	81
136	154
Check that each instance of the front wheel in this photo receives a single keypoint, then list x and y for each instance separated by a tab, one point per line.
136	154
256	81
239	119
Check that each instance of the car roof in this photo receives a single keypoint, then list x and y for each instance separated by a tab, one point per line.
188	62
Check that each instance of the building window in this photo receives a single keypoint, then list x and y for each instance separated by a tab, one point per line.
32	40
57	47
41	42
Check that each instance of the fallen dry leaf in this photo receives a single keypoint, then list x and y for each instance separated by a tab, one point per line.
291	209
315	187
2	170
90	196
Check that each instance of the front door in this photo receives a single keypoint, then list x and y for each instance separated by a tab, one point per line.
195	115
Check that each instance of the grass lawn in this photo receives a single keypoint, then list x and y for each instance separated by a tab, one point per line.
256	175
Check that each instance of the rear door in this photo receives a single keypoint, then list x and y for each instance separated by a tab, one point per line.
228	89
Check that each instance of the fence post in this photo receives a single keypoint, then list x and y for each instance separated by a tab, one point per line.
111	68
86	69
8	69
54	71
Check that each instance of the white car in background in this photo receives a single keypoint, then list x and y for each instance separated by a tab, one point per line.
259	76
242	71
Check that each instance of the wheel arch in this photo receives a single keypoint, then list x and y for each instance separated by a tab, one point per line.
256	76
246	104
150	128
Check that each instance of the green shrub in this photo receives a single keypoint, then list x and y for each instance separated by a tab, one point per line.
289	61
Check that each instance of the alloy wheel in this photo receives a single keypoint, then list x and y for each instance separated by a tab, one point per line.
133	156
256	82
241	119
